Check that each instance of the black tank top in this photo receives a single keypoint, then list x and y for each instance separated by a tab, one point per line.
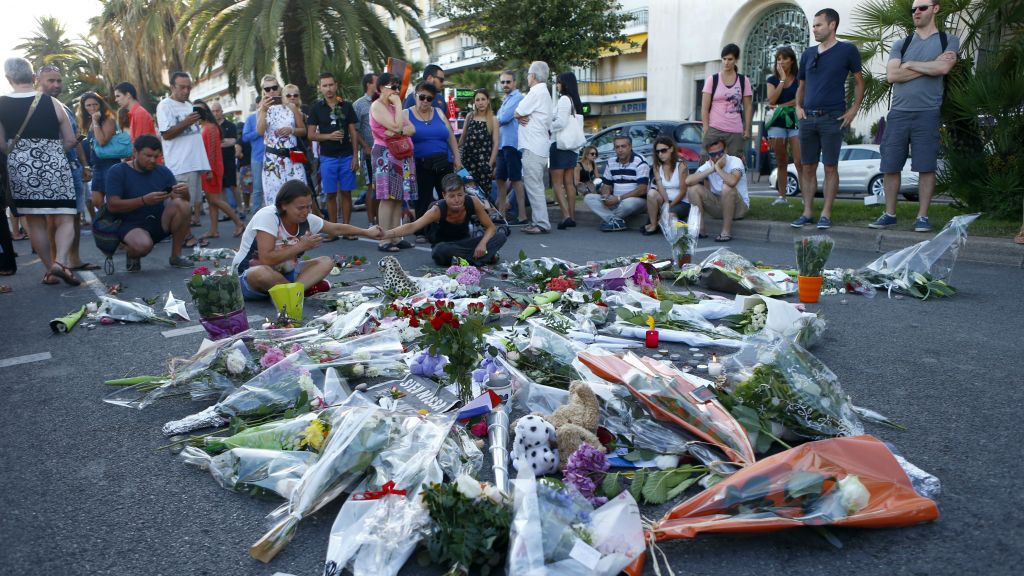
42	125
585	175
448	231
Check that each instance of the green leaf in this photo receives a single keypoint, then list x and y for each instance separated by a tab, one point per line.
637	487
522	255
659	484
611	486
681	487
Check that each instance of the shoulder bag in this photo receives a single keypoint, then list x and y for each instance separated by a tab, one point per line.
14	142
571	137
119	146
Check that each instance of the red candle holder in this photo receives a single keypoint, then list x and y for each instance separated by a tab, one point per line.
651	339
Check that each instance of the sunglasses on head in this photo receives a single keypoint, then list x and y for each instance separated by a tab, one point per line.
663	150
921	8
425	98
271	88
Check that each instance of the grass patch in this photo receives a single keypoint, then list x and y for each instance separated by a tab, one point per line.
854	213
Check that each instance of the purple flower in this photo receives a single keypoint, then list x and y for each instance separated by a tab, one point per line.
584	470
439	293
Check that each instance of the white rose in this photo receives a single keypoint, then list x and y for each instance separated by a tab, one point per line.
373	372
666	461
361	355
853	495
512	356
494	494
468	486
235	362
358	370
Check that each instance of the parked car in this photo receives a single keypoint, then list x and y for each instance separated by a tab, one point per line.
858	173
687	136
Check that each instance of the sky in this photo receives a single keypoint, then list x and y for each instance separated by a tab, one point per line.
20	22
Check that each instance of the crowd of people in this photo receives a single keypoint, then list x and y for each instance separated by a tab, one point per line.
149	175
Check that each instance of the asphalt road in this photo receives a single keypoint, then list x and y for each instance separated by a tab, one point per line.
85	490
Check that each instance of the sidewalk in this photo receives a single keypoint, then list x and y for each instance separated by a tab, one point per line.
999	251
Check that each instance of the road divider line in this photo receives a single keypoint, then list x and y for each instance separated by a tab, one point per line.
25	359
197	328
94	283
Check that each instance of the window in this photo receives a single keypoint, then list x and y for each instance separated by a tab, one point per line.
860	154
689	133
643	134
605	143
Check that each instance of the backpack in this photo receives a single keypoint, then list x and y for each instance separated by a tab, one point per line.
743	84
943	41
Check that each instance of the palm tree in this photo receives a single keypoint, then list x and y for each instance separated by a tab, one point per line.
49	45
303	37
140	41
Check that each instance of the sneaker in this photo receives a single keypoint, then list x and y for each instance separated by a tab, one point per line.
358	207
614	225
824	223
779	201
133	264
180	262
884	221
801	221
321	286
922	225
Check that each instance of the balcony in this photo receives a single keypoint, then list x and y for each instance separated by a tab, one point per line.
464	57
637	22
435	22
612	90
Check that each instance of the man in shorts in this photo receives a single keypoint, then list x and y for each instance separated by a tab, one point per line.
509	166
916	71
333	121
719	189
821	109
151	203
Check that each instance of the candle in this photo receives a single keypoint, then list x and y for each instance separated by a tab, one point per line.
714	366
651	339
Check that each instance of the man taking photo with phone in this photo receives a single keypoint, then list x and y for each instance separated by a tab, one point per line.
151	203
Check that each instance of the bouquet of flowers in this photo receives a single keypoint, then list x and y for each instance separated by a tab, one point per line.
547	357
726	271
304	432
811	254
458	338
681	236
464	274
358	434
285	385
854	482
218	296
777	387
470	525
259	470
537	272
759	313
116	309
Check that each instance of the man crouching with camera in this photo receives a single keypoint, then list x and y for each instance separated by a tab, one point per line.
150	202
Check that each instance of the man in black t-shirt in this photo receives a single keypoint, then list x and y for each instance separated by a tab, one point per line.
332	123
228	140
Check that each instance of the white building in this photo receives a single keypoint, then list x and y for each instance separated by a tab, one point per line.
213	87
686	38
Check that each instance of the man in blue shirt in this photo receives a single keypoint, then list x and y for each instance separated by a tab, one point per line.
255	139
821	108
151	202
435	75
510	164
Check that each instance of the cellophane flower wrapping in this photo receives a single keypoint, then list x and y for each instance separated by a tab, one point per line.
460	455
681	236
358	434
215	293
934	257
375	537
854	481
255	469
117	309
778	382
555	531
303	432
284	385
353	321
726	271
784	318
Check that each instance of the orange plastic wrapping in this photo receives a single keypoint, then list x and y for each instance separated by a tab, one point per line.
402	70
707	420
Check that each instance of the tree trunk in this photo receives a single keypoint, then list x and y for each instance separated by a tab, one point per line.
294	71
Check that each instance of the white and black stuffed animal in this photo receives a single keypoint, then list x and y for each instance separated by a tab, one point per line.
395	280
535	445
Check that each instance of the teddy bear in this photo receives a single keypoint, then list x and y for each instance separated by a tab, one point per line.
576	422
535	445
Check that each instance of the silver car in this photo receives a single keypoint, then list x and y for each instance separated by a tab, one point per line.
858	173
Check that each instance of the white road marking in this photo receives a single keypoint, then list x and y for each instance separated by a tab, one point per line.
25	359
95	284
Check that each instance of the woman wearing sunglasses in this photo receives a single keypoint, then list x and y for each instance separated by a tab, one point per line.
434	148
280	123
666	190
394	178
586	171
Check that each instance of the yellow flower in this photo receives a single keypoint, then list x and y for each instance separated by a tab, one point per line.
314	435
681	224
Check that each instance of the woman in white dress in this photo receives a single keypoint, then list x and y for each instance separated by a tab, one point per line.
667	176
279	123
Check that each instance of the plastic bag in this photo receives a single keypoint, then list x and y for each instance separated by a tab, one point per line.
783	318
352	322
726	271
128	311
459	454
681	236
935	257
239	469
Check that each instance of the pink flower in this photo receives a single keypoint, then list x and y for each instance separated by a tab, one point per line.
201	271
273	356
479	429
295	348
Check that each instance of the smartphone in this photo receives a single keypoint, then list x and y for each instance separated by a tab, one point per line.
81	137
275	100
169	189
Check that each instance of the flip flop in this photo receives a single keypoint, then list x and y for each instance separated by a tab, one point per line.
85	266
49	280
64	273
191	242
5	289
723	238
388	248
403	245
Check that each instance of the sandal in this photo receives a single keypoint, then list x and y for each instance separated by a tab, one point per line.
388	248
64	273
647	232
209	235
702	235
534	230
49	280
404	245
723	238
238	232
5	289
85	266
191	242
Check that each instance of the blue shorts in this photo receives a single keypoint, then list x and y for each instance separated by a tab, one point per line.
559	159
336	174
821	136
779	132
76	177
905	129
250	294
510	165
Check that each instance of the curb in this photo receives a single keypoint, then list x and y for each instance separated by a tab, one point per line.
980	249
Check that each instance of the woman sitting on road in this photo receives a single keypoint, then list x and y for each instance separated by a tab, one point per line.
451	235
667	176
278	235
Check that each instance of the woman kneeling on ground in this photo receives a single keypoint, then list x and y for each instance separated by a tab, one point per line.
276	238
451	237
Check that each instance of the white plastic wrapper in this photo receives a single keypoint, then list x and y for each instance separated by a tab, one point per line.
784	318
666	335
935	257
350	323
240	469
174	307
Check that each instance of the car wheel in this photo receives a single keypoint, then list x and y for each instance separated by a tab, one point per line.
876	187
912	196
792	185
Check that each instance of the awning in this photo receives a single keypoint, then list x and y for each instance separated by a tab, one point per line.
637	41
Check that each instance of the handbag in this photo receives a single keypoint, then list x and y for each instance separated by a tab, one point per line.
9	192
400	147
119	146
106	227
571	137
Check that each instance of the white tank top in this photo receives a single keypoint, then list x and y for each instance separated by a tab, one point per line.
671	183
